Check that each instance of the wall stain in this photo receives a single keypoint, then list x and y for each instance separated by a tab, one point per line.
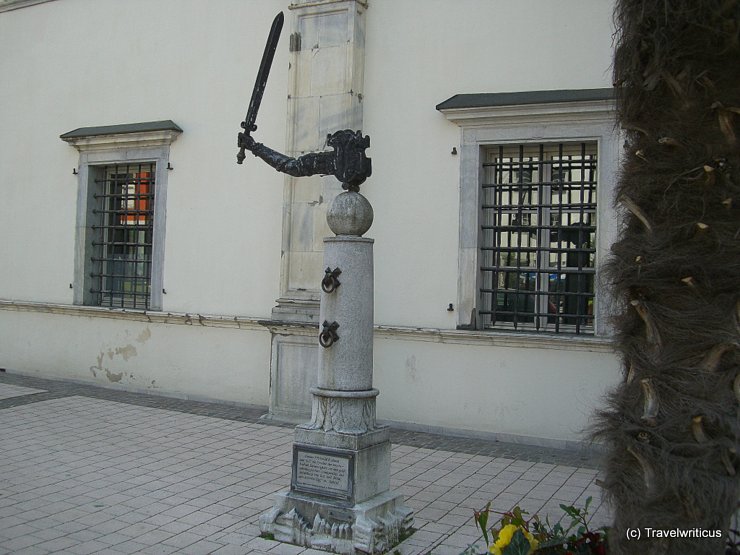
126	351
411	367
113	377
98	366
144	336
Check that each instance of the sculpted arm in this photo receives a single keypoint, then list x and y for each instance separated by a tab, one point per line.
309	164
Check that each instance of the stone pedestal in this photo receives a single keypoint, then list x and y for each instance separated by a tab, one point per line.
339	498
370	527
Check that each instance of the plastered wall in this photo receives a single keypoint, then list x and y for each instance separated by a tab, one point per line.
78	63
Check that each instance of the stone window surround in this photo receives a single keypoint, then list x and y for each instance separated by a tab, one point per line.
128	143
531	117
10	5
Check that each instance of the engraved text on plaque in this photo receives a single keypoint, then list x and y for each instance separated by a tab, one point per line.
321	472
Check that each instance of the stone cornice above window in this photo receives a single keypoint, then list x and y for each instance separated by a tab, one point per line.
129	135
484	109
299	4
9	5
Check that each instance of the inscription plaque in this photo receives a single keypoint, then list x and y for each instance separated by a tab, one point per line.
323	472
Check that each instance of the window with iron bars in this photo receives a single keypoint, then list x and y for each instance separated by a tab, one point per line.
538	237
121	235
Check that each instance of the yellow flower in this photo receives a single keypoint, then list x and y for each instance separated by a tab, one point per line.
504	539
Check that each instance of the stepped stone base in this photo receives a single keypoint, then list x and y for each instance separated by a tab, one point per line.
373	526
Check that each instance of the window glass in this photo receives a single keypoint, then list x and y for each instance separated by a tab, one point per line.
122	234
538	227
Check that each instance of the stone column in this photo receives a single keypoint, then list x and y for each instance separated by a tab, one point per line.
339	498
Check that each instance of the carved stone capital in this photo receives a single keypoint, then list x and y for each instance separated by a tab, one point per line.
347	412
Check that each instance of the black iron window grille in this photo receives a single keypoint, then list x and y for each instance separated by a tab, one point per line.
538	238
121	235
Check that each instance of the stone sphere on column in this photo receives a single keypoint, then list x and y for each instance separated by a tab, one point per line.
350	214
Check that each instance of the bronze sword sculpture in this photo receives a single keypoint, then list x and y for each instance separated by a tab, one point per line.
347	162
260	83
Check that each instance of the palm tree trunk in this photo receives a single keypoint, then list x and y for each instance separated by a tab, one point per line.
672	426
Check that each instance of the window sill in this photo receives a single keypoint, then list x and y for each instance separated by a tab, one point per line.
500	338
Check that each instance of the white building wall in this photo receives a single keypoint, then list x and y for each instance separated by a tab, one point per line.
420	53
183	357
78	63
518	391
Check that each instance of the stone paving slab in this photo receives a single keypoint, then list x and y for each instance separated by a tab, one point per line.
87	474
582	457
7	391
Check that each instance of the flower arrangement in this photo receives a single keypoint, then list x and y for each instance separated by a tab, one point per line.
515	534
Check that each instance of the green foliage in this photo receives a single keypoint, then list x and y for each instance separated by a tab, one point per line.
519	545
516	533
405	534
481	521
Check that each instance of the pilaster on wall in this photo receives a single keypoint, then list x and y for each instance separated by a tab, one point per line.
325	87
327	45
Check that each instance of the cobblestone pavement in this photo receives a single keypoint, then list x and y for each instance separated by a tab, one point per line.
95	470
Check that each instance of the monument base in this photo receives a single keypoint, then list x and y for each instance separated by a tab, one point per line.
339	498
373	526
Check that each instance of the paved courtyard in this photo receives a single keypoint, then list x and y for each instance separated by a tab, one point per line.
93	470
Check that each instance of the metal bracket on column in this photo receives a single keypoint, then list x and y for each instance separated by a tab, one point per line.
330	281
328	335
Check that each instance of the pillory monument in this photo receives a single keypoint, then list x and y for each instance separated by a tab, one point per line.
339	498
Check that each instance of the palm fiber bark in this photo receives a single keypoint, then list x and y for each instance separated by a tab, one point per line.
672	426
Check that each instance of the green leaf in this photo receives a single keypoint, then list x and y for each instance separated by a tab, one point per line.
518	516
571	511
588	503
481	520
553	542
519	545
